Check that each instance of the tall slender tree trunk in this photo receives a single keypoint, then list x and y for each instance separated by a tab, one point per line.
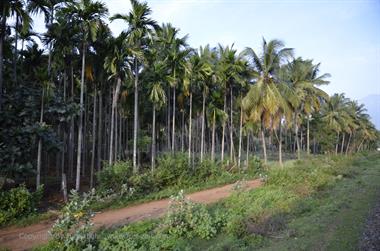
224	126
80	128
93	141
297	140
213	137
336	146
348	143
203	124
183	131
264	146
135	119
2	35
247	157
15	52
280	145
173	122
231	128
342	147
100	127
308	136
190	129
113	111
39	151
240	133
153	137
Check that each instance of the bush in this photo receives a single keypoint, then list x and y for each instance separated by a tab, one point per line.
18	202
172	170
187	219
114	176
73	229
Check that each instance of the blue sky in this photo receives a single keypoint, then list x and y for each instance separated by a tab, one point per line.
343	35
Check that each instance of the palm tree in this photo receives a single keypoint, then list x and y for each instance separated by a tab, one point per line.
8	9
334	114
264	102
119	68
87	15
139	26
302	78
196	71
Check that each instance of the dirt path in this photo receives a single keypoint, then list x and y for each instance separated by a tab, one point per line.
27	237
370	240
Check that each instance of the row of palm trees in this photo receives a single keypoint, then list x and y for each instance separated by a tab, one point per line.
214	95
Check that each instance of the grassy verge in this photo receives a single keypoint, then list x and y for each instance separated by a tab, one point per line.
32	219
315	204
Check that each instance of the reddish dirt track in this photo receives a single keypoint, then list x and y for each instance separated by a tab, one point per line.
25	238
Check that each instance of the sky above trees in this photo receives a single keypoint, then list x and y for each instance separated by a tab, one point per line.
343	35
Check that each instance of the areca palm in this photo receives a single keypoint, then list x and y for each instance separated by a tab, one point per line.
264	102
230	69
196	71
87	15
139	26
8	9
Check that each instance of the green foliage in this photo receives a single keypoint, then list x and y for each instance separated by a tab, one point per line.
18	202
186	219
72	230
114	176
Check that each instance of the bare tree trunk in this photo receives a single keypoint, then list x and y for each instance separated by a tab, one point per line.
348	144
247	157
64	187
264	146
224	126
308	136
154	137
240	134
297	140
190	129
39	151
15	52
213	137
231	128
80	129
2	35
113	111
93	141
280	145
342	147
203	124
135	119
173	123
182	132
100	126
336	146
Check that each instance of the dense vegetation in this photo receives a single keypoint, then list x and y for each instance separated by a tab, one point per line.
71	107
288	212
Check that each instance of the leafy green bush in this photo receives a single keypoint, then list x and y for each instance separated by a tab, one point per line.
114	176
18	202
73	229
172	169
187	219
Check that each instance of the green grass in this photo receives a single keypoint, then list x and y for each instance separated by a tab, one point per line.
319	203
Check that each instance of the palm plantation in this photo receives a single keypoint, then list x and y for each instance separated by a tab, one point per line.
145	98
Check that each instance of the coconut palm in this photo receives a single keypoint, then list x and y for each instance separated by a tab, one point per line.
139	27
264	102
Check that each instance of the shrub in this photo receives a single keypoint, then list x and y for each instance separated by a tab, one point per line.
18	202
73	229
114	176
171	170
187	219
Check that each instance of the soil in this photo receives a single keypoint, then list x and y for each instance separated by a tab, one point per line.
25	238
